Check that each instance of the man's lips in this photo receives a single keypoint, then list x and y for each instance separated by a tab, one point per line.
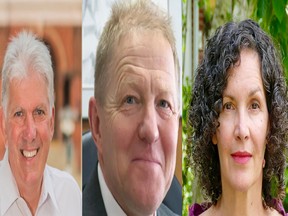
146	160
241	157
29	153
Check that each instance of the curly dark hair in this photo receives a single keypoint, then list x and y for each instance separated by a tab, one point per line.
223	52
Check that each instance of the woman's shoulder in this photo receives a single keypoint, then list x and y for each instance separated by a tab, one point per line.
197	209
279	208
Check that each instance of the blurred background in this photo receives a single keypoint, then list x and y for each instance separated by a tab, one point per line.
58	23
200	18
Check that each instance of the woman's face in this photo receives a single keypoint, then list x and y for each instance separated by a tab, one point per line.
244	124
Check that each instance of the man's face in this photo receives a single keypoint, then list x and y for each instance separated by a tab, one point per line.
136	128
29	127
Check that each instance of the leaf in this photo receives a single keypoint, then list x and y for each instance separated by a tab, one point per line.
274	27
285	63
260	9
279	8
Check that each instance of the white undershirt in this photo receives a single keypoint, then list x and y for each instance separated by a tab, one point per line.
111	206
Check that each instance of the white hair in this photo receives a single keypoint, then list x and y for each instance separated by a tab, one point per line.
26	53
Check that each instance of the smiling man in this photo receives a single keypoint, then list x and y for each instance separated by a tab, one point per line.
27	185
134	115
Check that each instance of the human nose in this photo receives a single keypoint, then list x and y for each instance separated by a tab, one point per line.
29	128
242	126
148	128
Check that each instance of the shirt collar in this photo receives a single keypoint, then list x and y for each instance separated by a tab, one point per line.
48	190
111	205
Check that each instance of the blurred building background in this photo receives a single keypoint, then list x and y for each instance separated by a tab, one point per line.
58	23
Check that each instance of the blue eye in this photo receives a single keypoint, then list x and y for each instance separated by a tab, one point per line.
164	104
130	100
165	109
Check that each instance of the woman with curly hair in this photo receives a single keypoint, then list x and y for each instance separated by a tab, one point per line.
239	120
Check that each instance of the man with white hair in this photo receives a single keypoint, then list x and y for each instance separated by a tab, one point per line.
28	186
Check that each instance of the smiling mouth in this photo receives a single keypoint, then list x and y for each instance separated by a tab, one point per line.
29	154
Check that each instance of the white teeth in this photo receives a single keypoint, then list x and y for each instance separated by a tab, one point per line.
29	154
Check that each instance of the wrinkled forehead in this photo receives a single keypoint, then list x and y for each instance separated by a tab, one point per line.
16	79
30	82
144	48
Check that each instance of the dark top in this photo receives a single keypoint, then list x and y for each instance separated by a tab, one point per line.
172	200
93	204
197	209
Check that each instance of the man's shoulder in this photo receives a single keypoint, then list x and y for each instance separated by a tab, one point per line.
58	174
63	190
163	210
93	203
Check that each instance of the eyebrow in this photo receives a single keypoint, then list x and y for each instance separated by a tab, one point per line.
251	93
134	82
254	91
137	84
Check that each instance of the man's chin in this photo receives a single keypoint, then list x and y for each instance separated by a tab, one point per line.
146	202
143	209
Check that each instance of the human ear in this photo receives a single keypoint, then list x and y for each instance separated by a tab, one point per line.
214	139
94	122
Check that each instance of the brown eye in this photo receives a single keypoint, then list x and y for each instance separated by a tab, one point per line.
39	114
228	106
255	106
18	114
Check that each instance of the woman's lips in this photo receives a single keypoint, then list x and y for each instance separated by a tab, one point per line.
241	157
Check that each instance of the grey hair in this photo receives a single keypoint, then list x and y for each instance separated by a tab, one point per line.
131	16
222	52
26	53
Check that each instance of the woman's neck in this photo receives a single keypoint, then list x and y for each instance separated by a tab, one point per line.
234	202
241	203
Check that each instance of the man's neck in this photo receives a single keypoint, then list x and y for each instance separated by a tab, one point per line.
31	195
111	204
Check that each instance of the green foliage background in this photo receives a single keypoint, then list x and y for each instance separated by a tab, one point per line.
272	17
